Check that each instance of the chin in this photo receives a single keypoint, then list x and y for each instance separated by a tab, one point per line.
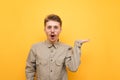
52	41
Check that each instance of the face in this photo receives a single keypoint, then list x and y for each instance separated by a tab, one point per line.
52	30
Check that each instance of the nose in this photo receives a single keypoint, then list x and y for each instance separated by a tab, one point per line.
52	29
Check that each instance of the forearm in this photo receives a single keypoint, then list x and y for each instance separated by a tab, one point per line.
73	57
30	71
30	65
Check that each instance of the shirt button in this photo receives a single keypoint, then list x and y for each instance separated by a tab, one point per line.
51	59
51	51
51	71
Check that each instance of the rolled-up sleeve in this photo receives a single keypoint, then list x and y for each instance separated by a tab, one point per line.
31	65
72	59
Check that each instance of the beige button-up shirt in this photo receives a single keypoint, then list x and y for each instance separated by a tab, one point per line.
49	61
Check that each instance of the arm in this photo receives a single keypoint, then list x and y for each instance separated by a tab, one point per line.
72	60
30	65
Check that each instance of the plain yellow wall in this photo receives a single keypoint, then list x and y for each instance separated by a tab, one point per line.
21	25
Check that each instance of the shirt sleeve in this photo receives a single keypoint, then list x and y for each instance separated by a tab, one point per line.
72	59
30	65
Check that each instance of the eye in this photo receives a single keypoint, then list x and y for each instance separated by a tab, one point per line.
55	27
49	27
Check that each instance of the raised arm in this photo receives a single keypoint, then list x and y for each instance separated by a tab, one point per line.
72	60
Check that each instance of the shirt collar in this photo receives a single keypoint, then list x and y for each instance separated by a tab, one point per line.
49	45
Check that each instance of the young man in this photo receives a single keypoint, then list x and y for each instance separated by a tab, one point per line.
50	58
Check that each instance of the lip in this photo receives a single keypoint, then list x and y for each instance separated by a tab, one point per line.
52	35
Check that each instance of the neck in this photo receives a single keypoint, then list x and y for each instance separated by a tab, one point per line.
53	42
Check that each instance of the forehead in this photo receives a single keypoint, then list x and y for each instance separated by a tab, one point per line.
52	23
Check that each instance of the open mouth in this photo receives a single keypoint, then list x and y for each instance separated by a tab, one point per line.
52	36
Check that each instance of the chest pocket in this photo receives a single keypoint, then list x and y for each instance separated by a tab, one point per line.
59	61
41	62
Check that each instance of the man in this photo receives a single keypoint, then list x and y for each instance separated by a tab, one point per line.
49	59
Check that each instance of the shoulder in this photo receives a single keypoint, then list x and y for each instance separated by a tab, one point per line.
65	45
37	45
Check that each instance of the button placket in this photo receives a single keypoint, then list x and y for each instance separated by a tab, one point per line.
51	60
51	56
52	53
51	50
51	67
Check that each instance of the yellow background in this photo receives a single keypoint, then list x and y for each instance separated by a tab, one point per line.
21	25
